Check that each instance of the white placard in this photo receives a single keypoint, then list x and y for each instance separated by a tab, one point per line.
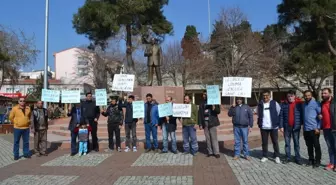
123	82
101	97
237	87
181	110
52	96
70	96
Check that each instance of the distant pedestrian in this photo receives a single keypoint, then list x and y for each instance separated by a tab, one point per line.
311	128
39	126
114	123
268	122
290	125
76	117
242	119
20	117
151	121
208	119
189	129
328	126
91	113
83	137
168	126
130	123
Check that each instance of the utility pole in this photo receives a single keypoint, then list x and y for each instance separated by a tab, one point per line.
45	81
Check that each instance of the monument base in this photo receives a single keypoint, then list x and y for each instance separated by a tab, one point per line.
159	93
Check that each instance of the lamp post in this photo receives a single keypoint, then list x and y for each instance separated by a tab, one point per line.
45	81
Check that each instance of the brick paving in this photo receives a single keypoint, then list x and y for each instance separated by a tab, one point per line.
39	180
6	153
154	180
258	173
87	160
167	159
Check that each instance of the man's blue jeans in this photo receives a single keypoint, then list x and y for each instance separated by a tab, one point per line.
241	134
18	133
151	129
172	135
74	136
329	139
288	134
190	132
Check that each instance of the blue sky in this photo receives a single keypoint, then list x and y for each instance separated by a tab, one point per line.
29	17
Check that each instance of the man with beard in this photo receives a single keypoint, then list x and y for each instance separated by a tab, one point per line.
290	125
311	127
91	113
328	126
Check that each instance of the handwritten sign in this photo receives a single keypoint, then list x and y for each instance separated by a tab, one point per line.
213	95
123	82
138	109
101	97
71	96
52	96
237	86
182	110
165	109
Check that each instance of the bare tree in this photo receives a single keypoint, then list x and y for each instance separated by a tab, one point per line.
16	51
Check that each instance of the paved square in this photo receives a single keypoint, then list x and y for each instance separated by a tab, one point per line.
167	159
39	180
154	180
255	172
6	153
87	160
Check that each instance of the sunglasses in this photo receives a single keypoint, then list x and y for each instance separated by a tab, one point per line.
21	101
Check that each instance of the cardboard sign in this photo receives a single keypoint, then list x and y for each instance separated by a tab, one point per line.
237	87
138	109
182	110
165	110
123	82
213	95
101	97
71	96
52	96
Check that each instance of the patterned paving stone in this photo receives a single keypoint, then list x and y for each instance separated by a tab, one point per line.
154	180
87	160
39	180
6	153
268	173
167	159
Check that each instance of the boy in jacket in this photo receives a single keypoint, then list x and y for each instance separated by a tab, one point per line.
242	119
290	125
114	123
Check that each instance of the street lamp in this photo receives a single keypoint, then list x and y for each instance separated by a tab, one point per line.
45	81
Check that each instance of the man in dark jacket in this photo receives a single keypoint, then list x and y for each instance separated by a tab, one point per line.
76	116
242	119
168	127
39	126
90	114
151	121
290	125
114	123
130	123
208	119
268	122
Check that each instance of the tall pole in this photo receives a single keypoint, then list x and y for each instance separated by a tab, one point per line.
45	81
209	18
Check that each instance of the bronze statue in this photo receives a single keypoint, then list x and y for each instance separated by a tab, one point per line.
154	53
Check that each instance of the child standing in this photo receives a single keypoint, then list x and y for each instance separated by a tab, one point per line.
83	137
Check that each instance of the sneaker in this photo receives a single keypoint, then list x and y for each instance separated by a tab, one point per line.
277	160
264	159
135	149
175	152
248	158
310	163
329	167
84	154
317	164
235	158
217	156
80	154
127	149
119	149
298	162
16	158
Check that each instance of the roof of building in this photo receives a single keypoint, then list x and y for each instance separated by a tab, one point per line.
31	82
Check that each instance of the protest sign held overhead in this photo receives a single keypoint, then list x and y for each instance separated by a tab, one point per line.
213	95
70	96
52	96
101	97
237	87
123	82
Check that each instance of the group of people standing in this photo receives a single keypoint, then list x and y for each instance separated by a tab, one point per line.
289	117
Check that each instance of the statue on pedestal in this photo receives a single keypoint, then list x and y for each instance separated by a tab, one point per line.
154	54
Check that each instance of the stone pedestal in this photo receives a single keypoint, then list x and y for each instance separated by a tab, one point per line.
159	93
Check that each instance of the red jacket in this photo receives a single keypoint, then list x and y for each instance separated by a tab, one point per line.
77	129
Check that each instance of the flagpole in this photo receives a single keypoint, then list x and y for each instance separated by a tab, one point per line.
45	81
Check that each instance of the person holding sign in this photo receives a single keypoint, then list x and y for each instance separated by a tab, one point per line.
168	127
91	113
268	122
208	119
242	119
189	130
114	123
130	123
76	117
151	121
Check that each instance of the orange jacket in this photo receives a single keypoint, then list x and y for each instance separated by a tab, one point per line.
18	118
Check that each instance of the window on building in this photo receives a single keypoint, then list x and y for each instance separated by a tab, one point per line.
82	61
30	90
9	90
328	83
83	72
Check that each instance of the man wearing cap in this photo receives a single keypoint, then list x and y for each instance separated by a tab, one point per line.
242	119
